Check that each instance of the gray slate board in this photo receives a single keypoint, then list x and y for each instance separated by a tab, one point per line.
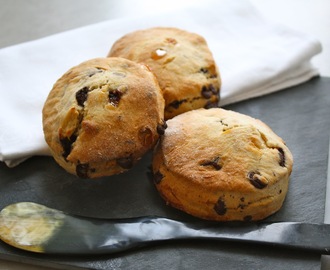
300	115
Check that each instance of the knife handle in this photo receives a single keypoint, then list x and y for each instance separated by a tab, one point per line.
37	228
307	236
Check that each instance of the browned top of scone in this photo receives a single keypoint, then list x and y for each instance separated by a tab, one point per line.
101	110
181	61
225	150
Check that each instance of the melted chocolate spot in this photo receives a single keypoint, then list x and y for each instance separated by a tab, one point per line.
208	74
204	70
210	104
214	163
81	96
67	144
282	157
82	170
213	89
176	104
256	181
161	128
241	206
158	177
114	97
220	207
247	218
125	163
208	91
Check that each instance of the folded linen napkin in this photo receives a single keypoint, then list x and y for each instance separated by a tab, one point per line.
255	57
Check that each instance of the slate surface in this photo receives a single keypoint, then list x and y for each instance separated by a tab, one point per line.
300	115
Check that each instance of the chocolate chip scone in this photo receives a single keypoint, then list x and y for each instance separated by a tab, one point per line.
102	116
182	63
222	165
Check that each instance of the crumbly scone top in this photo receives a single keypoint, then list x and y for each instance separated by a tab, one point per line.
181	61
226	149
102	110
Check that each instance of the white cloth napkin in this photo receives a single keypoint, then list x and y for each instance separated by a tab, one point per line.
255	57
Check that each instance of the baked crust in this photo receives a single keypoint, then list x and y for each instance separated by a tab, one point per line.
222	165
102	115
182	63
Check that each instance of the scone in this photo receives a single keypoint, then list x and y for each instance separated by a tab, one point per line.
222	165
182	63
102	116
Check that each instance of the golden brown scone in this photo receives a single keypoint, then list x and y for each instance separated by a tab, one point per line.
222	165
182	63
102	116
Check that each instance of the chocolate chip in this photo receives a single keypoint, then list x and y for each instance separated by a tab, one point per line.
125	162
81	96
208	91
204	70
214	163
213	89
247	218
282	157
241	206
161	128
176	104
220	207
223	123
158	177
257	180
114	97
208	74
67	144
209	104
82	170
